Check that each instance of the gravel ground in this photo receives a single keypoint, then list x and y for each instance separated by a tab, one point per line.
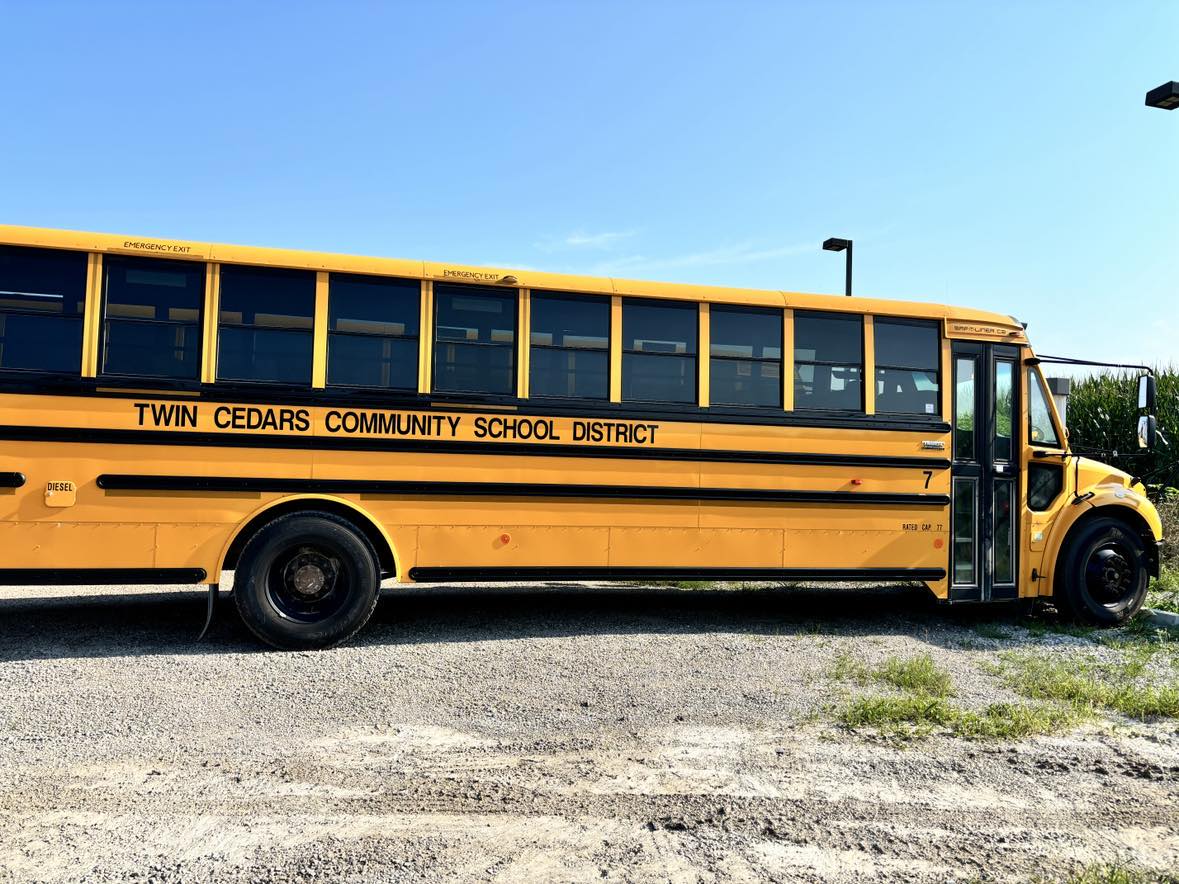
555	732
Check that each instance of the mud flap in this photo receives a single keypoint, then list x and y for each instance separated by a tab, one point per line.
209	609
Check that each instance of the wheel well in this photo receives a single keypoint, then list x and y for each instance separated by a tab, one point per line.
385	557
1127	517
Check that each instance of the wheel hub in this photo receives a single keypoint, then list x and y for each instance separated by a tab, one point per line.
309	575
1109	574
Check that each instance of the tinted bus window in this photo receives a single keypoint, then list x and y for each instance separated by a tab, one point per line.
908	353
745	362
474	340
152	317
570	346
373	325
42	297
828	361
265	323
659	351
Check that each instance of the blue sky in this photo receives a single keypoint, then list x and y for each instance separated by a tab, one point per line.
992	155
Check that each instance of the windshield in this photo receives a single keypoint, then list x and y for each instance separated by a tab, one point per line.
1041	428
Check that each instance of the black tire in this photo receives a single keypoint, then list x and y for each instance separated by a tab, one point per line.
1103	575
306	580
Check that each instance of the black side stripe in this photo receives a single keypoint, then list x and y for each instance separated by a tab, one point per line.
432	446
234	484
227	393
79	576
444	574
12	480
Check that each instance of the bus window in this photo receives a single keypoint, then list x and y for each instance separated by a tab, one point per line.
265	325
745	357
1041	430
373	325
570	346
828	361
1004	372
42	294
152	312
907	358
474	340
964	408
659	351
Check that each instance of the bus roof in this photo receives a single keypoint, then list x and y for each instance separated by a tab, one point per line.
960	321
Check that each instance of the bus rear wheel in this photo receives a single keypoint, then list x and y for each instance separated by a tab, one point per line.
306	580
1104	575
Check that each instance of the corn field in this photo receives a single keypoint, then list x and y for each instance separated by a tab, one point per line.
1103	417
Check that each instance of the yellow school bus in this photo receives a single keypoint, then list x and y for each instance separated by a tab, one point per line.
314	423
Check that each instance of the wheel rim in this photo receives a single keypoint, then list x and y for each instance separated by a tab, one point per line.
308	583
1110	574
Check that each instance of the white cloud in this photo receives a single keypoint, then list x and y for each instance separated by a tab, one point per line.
579	239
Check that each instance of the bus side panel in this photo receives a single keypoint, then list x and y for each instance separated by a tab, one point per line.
696	548
510	546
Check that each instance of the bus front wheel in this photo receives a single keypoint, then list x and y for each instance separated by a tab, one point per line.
1103	575
306	580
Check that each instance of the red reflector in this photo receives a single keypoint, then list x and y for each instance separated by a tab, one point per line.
857	481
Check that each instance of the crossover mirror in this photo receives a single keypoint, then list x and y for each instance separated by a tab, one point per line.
1147	430
1146	392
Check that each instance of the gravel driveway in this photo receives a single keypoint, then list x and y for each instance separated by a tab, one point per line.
555	732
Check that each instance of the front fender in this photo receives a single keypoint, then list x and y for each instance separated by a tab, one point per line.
1111	499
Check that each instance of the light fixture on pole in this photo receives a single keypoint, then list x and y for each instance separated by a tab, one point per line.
834	244
1165	96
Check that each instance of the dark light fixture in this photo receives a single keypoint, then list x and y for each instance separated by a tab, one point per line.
835	244
1165	96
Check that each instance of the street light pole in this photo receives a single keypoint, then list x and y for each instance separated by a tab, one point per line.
1165	96
834	244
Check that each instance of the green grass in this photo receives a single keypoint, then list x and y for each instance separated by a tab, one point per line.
1163	594
1012	720
1087	684
904	716
914	674
992	631
1106	874
923	706
912	716
917	675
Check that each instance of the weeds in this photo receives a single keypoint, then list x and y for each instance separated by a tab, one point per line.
906	715
992	631
1164	590
1087	684
1011	720
923	705
919	675
1112	875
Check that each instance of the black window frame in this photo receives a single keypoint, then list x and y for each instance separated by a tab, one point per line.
104	323
933	324
694	355
585	297
78	318
334	333
796	362
759	360
470	290
223	380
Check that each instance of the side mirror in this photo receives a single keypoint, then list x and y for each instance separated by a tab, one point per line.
1146	392
1147	429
